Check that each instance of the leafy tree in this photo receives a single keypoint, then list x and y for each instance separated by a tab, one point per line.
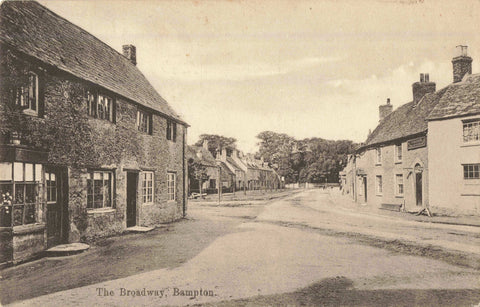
307	160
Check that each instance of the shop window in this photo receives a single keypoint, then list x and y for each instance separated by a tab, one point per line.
99	189
20	193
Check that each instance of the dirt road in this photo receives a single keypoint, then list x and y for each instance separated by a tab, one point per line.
302	250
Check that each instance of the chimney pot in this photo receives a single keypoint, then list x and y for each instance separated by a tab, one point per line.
130	52
419	89
385	109
462	64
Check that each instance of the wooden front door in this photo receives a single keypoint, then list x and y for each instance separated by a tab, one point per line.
418	188
56	185
132	181
365	187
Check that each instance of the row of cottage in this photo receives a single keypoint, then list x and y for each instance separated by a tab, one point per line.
426	153
87	145
231	170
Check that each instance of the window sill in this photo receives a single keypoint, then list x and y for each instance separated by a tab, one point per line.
171	201
147	204
470	144
398	162
100	211
30	113
378	164
399	196
378	194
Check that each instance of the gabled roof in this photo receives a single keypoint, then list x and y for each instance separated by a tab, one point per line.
460	99
201	155
225	167
234	164
36	31
407	120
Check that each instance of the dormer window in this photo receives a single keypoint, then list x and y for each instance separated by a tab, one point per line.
27	95
100	106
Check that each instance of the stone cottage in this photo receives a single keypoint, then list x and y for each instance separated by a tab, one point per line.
87	147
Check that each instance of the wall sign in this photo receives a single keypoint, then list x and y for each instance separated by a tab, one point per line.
417	143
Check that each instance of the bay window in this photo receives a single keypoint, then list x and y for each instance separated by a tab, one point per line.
20	193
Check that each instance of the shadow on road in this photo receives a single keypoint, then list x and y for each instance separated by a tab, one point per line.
339	291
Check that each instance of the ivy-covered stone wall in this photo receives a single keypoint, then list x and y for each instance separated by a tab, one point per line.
82	143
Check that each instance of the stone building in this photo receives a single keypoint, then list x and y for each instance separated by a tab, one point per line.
424	154
87	147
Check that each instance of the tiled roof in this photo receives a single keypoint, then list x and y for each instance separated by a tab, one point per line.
408	119
460	99
36	31
225	167
233	163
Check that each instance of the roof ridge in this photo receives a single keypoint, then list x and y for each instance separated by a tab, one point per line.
76	26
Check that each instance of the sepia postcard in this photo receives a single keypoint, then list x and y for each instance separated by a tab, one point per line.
239	153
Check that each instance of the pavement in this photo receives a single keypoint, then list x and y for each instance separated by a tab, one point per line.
295	244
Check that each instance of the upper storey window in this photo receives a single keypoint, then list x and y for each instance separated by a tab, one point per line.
27	95
471	131
101	106
171	130
144	121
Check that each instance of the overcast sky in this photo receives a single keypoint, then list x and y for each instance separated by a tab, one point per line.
305	68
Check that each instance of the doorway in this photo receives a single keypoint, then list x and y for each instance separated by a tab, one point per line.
132	181
56	184
365	187
418	185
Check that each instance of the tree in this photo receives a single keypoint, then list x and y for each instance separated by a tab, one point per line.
216	142
307	160
197	172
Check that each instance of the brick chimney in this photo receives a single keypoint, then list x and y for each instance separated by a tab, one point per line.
423	87
462	64
385	109
130	52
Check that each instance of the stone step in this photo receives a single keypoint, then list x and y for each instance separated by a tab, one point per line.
139	229
391	207
66	249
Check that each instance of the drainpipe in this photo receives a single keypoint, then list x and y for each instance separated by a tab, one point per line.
185	175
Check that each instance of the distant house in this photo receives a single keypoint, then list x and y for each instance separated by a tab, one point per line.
454	142
424	154
201	156
87	145
250	173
